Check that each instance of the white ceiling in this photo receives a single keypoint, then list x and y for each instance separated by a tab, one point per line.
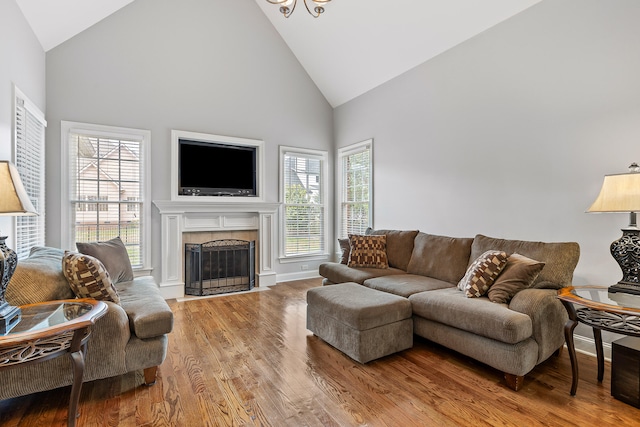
353	47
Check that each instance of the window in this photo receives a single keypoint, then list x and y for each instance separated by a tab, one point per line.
29	160
303	186
355	168
107	188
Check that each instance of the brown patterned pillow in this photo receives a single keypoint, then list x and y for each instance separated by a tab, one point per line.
88	278
482	272
368	251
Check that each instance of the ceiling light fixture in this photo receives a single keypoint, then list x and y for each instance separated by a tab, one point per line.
288	6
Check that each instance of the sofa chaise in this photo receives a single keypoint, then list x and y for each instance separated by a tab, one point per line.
519	325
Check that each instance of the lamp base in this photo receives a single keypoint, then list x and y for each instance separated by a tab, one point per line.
626	252
627	288
9	317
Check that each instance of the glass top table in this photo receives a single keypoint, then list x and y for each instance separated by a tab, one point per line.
595	306
51	329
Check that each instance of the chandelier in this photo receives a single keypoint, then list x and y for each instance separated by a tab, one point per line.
288	6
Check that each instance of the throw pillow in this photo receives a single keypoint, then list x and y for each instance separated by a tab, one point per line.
88	278
113	254
345	250
519	273
482	272
368	251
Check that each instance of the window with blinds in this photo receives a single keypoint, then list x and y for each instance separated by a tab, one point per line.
106	187
303	185
29	160
355	188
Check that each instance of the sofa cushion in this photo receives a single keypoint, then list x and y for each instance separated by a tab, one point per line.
405	285
113	255
476	315
368	251
560	258
44	265
88	278
519	273
149	315
440	257
345	250
482	272
340	273
399	246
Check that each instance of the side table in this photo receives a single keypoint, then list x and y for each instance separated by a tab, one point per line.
614	312
51	329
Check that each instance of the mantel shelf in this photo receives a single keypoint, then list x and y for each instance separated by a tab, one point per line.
196	205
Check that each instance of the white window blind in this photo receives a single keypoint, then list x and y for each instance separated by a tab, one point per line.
106	189
303	175
29	160
356	188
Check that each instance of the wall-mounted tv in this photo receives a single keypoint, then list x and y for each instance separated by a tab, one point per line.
216	169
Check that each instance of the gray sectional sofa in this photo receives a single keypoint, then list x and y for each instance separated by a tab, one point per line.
512	337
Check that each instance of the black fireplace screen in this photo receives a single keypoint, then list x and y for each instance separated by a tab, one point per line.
219	266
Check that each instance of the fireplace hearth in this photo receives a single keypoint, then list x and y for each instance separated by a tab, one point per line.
219	267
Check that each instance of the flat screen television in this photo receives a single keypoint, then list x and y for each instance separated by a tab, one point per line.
216	169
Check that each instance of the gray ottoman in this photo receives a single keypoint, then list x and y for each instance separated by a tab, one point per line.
363	323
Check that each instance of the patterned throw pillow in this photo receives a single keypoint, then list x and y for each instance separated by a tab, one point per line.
482	272
88	278
368	251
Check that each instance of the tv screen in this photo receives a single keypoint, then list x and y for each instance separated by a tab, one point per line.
216	169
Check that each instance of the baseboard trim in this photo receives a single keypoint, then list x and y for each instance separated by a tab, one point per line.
290	277
587	346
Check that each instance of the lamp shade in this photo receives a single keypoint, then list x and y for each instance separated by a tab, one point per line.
14	200
619	193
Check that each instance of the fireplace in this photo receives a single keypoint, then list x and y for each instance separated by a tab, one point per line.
219	266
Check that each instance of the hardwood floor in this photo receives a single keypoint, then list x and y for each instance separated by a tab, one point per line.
248	359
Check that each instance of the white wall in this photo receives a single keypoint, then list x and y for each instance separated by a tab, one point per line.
22	62
206	66
510	134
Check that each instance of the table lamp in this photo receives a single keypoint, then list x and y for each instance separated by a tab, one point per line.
621	193
14	201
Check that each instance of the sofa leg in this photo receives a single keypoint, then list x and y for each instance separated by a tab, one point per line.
558	352
150	375
514	381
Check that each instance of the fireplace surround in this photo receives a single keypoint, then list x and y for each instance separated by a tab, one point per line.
200	214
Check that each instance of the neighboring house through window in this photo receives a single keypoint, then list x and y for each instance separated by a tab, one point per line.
355	172
303	192
29	138
107	188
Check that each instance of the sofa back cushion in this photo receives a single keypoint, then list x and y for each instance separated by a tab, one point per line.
39	278
441	257
399	246
560	258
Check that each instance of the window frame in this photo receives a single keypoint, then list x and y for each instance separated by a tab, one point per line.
342	153
325	195
143	136
20	100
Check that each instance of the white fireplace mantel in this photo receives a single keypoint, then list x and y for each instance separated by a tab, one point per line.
197	215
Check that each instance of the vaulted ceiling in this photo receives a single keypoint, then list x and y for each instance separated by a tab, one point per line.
353	47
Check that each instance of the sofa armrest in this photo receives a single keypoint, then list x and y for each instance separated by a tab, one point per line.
107	344
149	314
548	317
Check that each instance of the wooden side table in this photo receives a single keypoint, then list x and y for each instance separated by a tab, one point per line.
51	329
614	312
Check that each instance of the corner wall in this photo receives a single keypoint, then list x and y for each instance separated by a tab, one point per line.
510	133
22	62
215	67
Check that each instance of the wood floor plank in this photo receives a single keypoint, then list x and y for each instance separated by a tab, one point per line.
248	360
